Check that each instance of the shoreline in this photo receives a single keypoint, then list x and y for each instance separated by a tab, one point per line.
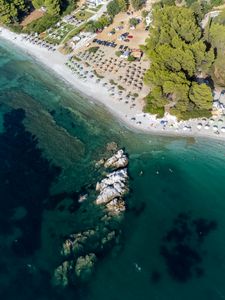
132	118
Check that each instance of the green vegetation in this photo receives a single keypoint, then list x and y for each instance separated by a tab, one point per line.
102	22
131	58
42	24
112	82
118	53
144	13
93	49
116	6
133	22
98	75
178	56
215	35
137	4
83	15
12	11
120	87
73	32
76	58
57	33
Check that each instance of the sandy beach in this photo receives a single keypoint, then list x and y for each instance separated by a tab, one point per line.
132	116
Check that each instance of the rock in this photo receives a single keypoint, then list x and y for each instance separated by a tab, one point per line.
61	274
76	242
112	146
100	163
113	186
117	161
108	238
82	198
84	266
116	206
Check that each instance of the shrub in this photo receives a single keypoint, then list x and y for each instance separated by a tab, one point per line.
42	24
118	53
93	49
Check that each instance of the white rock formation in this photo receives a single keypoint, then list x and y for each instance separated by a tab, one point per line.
113	186
118	160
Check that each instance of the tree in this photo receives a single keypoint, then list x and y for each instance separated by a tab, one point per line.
177	55
53	7
122	5
137	4
11	11
113	8
216	36
133	22
144	13
201	95
38	3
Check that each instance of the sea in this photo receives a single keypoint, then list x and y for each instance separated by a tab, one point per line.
172	236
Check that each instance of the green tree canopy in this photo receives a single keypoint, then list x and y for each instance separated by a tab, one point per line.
137	4
178	54
116	6
11	11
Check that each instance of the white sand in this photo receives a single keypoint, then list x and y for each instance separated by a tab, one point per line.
133	117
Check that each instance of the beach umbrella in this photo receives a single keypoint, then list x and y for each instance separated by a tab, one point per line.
207	126
199	126
215	128
223	129
220	121
211	121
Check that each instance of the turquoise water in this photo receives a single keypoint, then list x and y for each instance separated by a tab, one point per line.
172	244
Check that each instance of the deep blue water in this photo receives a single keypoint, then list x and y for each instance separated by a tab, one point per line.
172	244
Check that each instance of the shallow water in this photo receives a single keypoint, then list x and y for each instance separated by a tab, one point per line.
50	139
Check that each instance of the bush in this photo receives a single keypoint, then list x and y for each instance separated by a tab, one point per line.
15	28
193	114
118	53
131	58
134	22
158	111
93	49
42	24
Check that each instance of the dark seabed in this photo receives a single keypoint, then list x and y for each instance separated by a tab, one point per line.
173	233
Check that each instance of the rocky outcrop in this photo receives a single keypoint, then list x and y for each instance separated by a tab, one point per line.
117	161
113	186
80	250
61	274
84	266
116	206
76	242
70	271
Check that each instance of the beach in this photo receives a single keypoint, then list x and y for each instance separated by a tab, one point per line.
132	116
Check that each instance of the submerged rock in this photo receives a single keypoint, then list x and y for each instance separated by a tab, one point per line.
116	206
117	161
76	242
112	146
84	266
61	274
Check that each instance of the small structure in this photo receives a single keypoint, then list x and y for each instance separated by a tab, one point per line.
94	3
137	53
149	19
